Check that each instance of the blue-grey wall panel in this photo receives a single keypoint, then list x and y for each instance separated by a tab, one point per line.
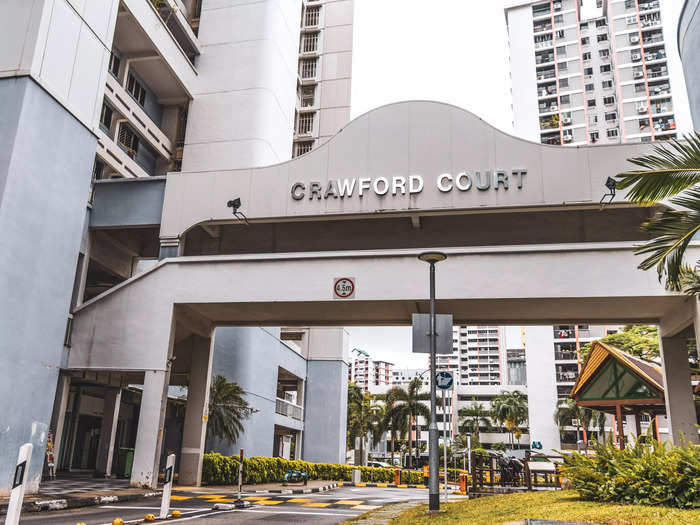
127	202
47	182
325	411
251	356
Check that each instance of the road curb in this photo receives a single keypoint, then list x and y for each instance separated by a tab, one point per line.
382	485
74	503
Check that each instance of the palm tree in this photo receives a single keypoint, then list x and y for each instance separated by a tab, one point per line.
510	409
672	171
377	428
407	407
227	410
567	411
474	416
392	422
359	418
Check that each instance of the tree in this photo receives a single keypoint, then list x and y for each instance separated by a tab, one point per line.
672	171
510	409
227	410
359	418
567	411
396	426
407	407
472	417
639	340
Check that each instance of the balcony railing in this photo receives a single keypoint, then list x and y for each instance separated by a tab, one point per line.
565	377
285	408
648	5
564	356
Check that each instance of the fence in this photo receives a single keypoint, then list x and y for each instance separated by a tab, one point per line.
537	471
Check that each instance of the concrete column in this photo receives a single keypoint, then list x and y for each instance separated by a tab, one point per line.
149	435
298	444
195	430
680	406
541	386
59	416
631	423
108	432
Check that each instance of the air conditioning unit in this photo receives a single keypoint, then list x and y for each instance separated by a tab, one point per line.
634	39
568	138
642	108
557	5
639	74
566	120
553	107
636	57
632	19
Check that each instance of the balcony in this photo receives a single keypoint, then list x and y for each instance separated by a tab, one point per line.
118	159
152	51
564	333
173	14
661	107
539	28
551	140
544	58
648	6
651	38
545	74
566	377
285	408
550	123
565	356
664	125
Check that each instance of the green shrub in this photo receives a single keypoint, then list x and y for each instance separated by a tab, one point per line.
223	470
646	473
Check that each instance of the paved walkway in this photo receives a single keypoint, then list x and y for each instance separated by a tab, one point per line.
387	513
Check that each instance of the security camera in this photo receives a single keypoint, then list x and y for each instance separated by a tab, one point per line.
235	204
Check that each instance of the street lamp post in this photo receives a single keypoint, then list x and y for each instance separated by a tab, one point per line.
433	450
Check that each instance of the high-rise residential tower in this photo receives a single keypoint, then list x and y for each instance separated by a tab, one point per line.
324	74
590	72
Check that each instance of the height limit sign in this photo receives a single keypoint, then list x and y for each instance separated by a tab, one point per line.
344	288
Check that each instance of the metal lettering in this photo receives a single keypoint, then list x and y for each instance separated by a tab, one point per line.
520	174
500	177
486	183
467	184
415	184
398	183
375	186
346	187
298	191
314	189
365	184
330	190
441	182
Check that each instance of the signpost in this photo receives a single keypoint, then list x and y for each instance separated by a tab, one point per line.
422	331
19	482
344	288
167	486
444	381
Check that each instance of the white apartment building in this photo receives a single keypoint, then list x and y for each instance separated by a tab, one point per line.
403	376
590	72
477	357
368	373
324	72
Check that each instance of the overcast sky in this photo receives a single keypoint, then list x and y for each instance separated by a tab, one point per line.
453	51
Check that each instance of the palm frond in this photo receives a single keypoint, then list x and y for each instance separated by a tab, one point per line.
673	168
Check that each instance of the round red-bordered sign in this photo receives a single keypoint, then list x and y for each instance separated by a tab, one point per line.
343	288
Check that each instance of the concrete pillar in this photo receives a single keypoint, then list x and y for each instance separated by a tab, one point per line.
298	444
149	435
108	432
680	406
195	429
631	425
59	416
541	386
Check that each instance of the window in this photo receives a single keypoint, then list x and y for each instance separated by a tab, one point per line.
306	123
610	117
309	43
604	53
312	16
585	41
558	19
106	117
563	83
608	100
591	103
97	169
305	147
114	62
629	4
136	90
643	124
589	87
593	120
560	33
605	68
601	23
562	66
565	99
308	67
307	96
595	136
128	139
612	133
640	88
607	84
586	55
602	38
588	71
583	25
561	51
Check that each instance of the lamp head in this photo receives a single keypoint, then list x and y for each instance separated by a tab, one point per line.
432	257
235	204
611	183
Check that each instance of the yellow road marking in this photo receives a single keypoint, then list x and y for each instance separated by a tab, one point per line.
349	502
180	497
360	484
253	498
383	485
420	486
269	501
212	496
402	486
299	500
316	505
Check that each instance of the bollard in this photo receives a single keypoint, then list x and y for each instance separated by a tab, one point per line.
176	514
397	475
149	517
19	481
167	487
463	482
117	521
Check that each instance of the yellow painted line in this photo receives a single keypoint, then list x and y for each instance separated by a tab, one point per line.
383	485
178	498
212	496
402	486
299	500
316	505
349	502
421	486
360	484
365	507
269	501
255	498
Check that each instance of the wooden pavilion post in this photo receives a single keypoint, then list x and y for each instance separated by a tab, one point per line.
620	428
638	424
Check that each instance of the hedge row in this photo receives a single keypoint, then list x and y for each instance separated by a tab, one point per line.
646	473
223	470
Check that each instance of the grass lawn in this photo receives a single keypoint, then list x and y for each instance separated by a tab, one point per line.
560	505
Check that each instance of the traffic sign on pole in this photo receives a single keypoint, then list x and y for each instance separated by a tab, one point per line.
444	380
19	482
167	486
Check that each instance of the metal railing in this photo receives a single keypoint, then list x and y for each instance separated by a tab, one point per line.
285	408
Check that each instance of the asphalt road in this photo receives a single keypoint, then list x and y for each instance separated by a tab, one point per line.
330	507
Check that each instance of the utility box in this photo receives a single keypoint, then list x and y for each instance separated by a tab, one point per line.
356	475
125	462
